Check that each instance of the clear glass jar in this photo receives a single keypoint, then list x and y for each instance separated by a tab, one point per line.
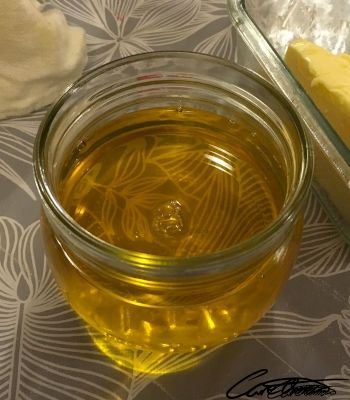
167	304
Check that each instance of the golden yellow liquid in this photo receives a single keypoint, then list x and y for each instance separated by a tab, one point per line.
173	182
173	189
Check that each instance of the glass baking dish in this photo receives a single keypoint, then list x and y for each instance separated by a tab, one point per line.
267	27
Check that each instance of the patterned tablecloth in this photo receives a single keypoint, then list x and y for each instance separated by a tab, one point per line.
45	352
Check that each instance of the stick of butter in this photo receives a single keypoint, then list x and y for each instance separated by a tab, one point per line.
326	79
39	56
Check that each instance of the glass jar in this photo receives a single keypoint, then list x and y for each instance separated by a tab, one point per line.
135	300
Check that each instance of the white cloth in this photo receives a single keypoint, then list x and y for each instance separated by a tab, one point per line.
40	55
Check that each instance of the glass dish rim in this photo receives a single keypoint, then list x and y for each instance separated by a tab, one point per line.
154	264
332	143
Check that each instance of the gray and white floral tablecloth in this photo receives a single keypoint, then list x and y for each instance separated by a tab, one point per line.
45	352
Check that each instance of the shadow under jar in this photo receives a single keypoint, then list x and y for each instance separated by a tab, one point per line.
172	188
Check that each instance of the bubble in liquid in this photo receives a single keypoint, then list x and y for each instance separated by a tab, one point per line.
167	220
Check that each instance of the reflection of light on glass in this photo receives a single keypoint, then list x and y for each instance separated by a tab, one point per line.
67	256
210	322
225	315
79	211
279	254
147	327
219	163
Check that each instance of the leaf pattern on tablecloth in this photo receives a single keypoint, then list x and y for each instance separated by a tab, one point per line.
344	328
288	325
123	28
342	388
45	352
16	148
44	349
323	252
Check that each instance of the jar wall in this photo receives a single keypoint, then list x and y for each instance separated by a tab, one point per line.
168	318
138	300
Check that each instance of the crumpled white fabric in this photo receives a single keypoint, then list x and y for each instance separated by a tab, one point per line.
40	55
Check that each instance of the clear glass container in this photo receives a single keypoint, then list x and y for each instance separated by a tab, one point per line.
173	304
266	28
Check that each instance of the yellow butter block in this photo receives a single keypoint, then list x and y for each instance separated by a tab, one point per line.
326	78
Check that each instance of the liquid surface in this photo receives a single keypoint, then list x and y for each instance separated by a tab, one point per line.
171	182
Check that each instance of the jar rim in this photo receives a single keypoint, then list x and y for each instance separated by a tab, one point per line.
175	265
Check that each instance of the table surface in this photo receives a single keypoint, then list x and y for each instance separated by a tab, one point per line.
45	352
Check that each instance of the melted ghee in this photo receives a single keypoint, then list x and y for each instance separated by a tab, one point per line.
172	182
